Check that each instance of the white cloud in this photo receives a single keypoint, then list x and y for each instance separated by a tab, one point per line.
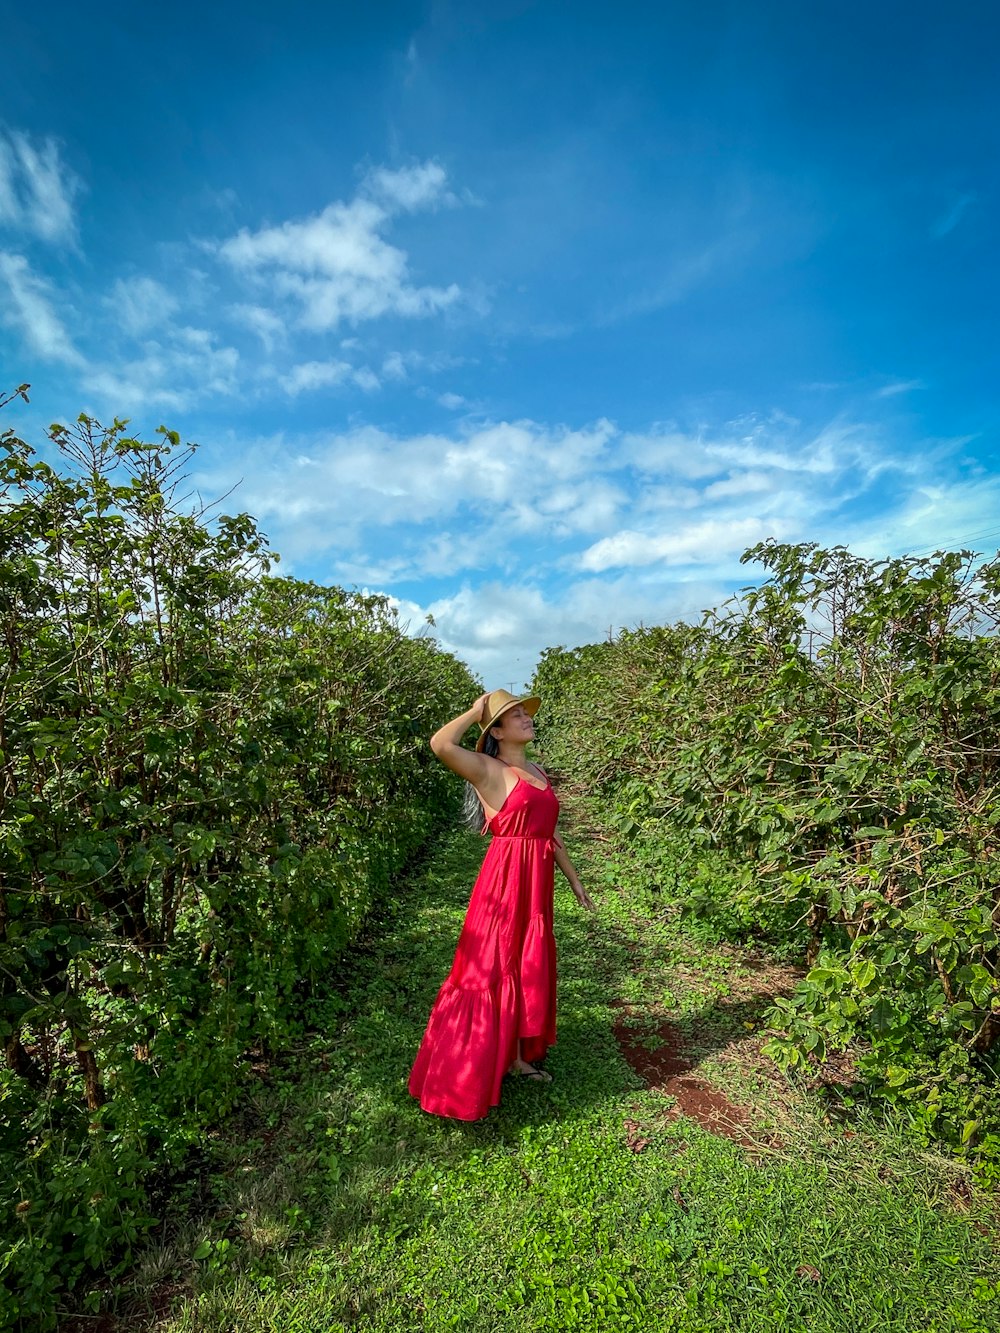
403	365
409	188
655	500
831	451
312	375
31	310
442	553
37	189
751	447
140	304
898	387
394	367
698	543
501	627
545	534
499	470
739	483
181	368
669	450
936	514
175	367
336	267
315	375
269	327
497	494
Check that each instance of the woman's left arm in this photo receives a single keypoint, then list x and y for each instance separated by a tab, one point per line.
566	866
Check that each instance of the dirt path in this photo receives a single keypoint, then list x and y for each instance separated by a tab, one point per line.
667	1068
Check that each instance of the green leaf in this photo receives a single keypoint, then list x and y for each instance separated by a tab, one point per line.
863	974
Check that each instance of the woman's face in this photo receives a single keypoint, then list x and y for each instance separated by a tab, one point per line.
516	725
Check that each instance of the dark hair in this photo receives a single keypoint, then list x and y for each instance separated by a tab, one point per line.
473	813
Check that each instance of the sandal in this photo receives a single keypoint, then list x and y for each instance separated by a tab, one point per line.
542	1075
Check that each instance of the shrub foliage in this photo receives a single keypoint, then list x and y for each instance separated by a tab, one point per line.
819	762
208	775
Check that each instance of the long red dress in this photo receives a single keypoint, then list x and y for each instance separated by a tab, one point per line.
502	984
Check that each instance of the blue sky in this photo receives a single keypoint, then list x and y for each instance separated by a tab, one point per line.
531	316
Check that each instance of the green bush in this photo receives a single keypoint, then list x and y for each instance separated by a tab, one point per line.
820	762
209	776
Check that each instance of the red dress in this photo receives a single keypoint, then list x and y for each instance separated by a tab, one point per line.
502	984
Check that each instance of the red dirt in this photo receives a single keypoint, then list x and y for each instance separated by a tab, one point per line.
667	1069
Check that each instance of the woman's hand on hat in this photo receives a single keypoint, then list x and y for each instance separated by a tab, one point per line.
479	708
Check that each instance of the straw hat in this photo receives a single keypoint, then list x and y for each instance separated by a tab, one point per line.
498	703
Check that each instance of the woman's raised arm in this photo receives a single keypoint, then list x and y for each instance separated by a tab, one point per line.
485	774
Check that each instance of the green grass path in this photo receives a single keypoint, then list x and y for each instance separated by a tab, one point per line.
335	1203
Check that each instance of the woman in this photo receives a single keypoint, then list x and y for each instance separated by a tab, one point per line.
496	1012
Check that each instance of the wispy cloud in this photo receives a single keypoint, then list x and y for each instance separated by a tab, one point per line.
505	483
738	484
183	366
500	626
938	513
394	367
512	597
508	495
698	543
409	188
312	375
141	304
953	216
167	340
32	311
37	189
898	387
336	267
684	274
264	323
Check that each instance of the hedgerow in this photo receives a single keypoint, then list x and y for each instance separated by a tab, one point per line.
208	776
818	763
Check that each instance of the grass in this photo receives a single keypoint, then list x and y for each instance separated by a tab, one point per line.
332	1202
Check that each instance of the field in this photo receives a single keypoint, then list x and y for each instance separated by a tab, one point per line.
231	885
718	1195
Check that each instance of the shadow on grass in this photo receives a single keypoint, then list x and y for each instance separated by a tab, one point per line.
330	1150
398	970
324	1134
335	1160
395	973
